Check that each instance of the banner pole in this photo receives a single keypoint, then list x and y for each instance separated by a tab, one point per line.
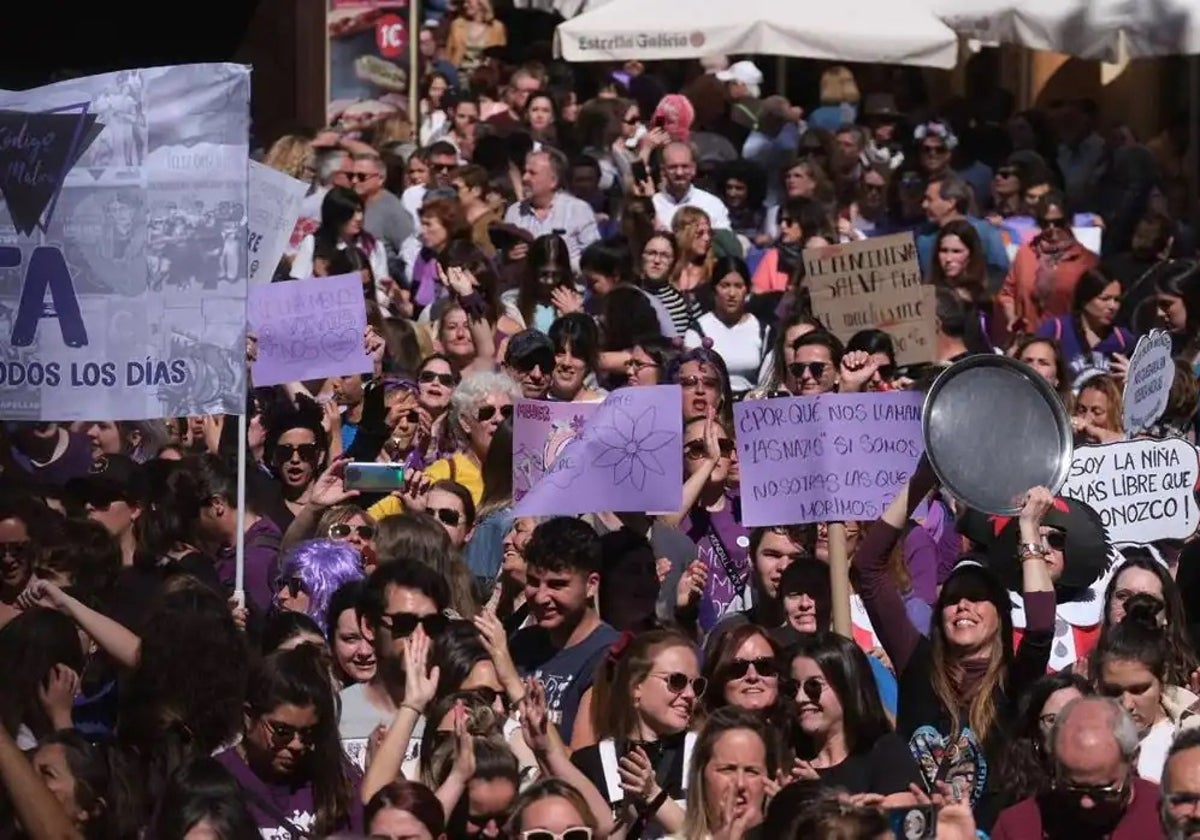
414	66
839	578
240	541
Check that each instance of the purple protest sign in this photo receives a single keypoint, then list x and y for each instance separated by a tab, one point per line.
541	430
628	457
830	458
308	329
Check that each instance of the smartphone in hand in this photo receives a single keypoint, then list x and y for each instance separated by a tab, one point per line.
373	477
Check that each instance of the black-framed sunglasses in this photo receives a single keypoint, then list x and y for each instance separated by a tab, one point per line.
490	695
764	666
695	449
403	624
293	585
692	381
342	530
887	372
1006	172
282	734
19	551
443	167
307	452
480	821
1056	540
427	377
361	176
815	369
411	416
1107	794
677	682
447	516
487	412
927	149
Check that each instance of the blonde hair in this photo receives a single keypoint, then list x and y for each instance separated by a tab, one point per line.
394	128
838	86
946	679
613	712
684	228
728	719
487	13
1107	386
291	154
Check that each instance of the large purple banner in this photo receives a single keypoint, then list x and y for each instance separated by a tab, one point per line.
830	458
626	456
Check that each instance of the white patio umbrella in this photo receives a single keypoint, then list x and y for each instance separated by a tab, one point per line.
867	30
1091	29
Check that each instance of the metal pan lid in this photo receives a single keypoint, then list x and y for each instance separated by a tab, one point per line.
993	428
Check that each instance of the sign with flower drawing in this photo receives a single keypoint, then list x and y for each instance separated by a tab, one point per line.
624	454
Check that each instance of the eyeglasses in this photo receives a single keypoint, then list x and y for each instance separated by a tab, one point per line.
867	186
815	369
285	452
695	449
934	150
447	516
404	624
677	682
342	530
581	832
1060	224
282	734
634	120
887	372
637	365
1181	800
542	360
294	586
427	377
487	412
764	666
692	381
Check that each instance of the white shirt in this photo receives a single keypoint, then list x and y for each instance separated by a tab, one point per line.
1152	751
741	346
302	265
665	207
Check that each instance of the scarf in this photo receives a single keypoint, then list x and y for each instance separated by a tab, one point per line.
1049	255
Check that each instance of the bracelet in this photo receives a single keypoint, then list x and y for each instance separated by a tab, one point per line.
1027	551
414	708
654	804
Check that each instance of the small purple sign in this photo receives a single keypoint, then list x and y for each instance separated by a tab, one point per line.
627	457
541	430
308	329
831	458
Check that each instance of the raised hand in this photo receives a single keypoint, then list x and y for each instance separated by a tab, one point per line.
691	585
329	489
415	494
535	717
495	642
464	745
856	371
56	694
420	681
42	593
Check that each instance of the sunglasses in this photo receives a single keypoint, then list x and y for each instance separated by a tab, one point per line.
443	167
695	449
285	452
447	516
1056	540
480	821
887	372
934	150
17	550
787	220
811	688
677	683
411	416
1060	224
293	585
427	377
490	695
578	833
403	624
1107	794
543	360
361	176
341	531
1006	172
693	380
815	369
764	666
487	412
283	735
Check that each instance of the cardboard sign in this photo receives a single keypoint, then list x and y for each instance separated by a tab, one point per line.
1148	381
830	458
874	284
1144	490
541	430
274	207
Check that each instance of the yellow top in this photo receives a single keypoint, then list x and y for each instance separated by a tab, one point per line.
465	473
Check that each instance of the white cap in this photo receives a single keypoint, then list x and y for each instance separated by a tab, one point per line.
746	72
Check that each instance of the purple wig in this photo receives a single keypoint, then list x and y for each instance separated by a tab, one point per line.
322	566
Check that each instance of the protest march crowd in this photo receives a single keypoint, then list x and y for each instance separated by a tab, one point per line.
642	284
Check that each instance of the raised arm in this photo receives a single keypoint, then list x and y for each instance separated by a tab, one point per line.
1038	594
114	638
37	809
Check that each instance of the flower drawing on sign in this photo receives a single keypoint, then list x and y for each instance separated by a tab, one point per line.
629	446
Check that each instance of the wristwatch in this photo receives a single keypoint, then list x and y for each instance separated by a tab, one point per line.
1027	550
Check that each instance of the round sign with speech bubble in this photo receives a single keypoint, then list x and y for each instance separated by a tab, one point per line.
1148	381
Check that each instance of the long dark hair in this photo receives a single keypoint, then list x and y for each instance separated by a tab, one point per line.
463	253
300	677
547	254
974	278
1182	660
1091	285
102	786
1181	278
497	471
1024	768
30	646
204	791
846	669
337	208
1138	637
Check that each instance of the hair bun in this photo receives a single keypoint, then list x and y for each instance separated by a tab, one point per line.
706	343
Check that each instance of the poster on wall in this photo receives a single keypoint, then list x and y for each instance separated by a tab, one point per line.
368	61
123	245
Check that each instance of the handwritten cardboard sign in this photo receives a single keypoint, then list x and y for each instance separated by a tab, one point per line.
541	430
874	284
1142	489
1148	381
275	200
627	457
830	458
308	329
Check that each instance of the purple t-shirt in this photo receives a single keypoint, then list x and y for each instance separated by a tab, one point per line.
275	805
75	462
712	531
263	539
1082	362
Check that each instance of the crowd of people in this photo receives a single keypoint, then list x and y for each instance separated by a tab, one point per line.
425	664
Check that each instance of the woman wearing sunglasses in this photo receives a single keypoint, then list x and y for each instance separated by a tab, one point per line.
310	574
289	763
843	736
550	809
644	700
436	381
352	525
742	666
1041	281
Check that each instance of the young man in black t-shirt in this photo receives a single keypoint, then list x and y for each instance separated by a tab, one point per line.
568	639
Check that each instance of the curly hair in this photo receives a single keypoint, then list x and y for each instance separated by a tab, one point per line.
321	566
473	390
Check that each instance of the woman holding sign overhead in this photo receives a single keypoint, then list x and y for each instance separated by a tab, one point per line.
959	686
